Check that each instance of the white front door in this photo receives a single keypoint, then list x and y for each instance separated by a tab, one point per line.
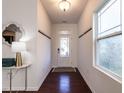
64	51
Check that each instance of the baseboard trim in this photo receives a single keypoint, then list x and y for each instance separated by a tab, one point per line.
40	84
87	81
21	89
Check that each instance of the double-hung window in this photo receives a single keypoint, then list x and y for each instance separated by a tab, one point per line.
108	39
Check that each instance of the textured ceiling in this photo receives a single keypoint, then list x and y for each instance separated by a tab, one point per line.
58	16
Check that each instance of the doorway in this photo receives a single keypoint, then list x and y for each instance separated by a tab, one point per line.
64	39
64	50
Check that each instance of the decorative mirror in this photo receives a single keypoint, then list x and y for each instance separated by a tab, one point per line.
12	33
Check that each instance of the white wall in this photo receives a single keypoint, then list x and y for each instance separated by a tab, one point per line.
43	20
96	80
23	13
31	16
43	44
72	28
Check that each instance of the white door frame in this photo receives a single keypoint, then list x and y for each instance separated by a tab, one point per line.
64	61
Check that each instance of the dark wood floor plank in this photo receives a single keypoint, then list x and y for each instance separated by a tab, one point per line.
63	82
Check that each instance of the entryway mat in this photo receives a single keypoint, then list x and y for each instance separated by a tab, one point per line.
64	69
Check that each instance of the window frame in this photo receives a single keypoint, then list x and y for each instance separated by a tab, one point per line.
95	46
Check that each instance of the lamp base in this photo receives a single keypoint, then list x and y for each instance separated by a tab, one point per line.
18	59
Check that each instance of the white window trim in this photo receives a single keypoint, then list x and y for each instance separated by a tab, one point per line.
95	30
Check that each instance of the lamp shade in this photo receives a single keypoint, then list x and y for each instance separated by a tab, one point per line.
18	46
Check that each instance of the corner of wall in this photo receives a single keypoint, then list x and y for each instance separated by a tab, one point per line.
87	81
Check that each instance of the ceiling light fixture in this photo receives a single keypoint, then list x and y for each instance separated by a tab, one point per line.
64	5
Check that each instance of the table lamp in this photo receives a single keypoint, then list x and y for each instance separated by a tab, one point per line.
18	47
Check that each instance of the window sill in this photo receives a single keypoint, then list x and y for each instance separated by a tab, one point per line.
109	74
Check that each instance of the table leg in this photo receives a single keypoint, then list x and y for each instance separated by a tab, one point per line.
10	80
25	78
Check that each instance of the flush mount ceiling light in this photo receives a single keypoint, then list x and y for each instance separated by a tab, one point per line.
64	5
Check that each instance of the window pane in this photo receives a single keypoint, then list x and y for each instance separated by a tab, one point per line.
110	18
116	29
64	47
110	54
107	6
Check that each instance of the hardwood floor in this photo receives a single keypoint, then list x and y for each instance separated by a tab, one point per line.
63	82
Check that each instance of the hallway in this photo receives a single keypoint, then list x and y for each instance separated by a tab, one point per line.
81	34
64	82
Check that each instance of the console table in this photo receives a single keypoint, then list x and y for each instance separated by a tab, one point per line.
25	66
